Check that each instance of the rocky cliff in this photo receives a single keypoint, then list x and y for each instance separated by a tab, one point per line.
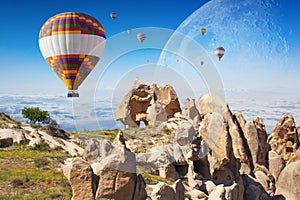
202	151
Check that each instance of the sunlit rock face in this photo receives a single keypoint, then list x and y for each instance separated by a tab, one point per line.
148	104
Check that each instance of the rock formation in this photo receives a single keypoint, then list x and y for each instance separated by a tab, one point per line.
110	169
148	104
288	181
284	138
206	151
221	155
12	131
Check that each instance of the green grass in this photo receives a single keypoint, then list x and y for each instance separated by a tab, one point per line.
58	193
108	134
37	169
154	179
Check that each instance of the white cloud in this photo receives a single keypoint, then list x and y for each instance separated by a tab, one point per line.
99	113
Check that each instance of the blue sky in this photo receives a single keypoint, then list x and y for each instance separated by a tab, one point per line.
25	72
22	65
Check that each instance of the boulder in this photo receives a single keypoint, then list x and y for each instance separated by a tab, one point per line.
288	183
294	156
265	178
14	134
179	190
148	104
252	189
6	142
218	193
168	172
191	112
161	156
257	143
114	184
240	118
240	146
213	132
79	173
185	133
209	103
156	113
97	149
163	191
284	137
276	164
253	192
140	189
209	186
234	192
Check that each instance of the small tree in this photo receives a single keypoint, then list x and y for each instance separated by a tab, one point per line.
34	114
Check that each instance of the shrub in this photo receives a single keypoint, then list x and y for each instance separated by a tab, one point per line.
16	182
42	146
40	162
34	114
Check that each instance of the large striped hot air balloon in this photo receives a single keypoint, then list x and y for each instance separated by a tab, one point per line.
72	43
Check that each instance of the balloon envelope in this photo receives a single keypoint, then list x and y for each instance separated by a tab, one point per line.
219	52
113	15
72	43
203	31
129	31
141	37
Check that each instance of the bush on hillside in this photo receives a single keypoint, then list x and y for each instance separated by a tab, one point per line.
34	114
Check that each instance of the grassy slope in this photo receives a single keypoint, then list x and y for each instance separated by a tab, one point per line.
38	169
32	173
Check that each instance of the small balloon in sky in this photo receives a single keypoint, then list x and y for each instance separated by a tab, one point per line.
201	62
113	15
72	43
141	37
203	31
219	52
129	31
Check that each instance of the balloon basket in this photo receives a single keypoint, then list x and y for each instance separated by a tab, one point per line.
72	94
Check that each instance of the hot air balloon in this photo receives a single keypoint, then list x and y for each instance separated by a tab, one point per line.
113	15
203	31
72	43
219	52
129	31
141	37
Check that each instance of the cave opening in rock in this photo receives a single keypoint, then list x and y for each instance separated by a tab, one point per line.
181	169
202	167
142	124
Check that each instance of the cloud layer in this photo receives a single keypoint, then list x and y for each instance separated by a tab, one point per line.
269	106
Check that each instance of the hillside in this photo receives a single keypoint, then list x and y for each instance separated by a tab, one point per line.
201	152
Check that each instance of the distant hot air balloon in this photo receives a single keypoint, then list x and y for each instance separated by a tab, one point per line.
129	31
203	31
141	37
219	52
202	62
113	15
72	44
